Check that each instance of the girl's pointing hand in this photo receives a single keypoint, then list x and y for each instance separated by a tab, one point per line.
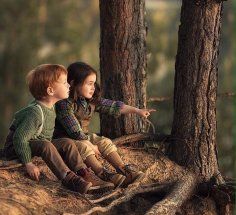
145	112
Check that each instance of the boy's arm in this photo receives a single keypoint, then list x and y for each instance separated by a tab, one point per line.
67	118
25	131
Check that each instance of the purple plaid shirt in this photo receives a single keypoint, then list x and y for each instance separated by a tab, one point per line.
69	122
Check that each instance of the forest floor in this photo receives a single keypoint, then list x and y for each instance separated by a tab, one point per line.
21	195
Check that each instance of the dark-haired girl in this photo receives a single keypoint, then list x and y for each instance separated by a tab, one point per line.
74	115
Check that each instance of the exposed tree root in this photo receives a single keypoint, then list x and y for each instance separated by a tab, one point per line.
128	194
114	194
141	137
11	164
180	193
174	181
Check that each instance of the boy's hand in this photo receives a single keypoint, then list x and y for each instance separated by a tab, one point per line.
145	112
33	171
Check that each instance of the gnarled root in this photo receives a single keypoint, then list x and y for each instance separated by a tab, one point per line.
180	193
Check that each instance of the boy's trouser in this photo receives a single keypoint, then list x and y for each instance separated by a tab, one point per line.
105	146
53	153
58	155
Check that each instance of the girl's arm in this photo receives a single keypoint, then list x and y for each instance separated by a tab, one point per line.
116	108
126	109
66	117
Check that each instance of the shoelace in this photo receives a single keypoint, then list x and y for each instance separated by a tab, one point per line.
93	176
107	174
74	181
129	168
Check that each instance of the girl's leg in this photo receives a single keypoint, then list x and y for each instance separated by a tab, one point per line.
88	155
91	161
109	151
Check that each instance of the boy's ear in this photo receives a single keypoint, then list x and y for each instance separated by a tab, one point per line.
50	91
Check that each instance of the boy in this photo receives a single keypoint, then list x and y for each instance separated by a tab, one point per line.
32	129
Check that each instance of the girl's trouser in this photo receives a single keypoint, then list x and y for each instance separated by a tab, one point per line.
105	146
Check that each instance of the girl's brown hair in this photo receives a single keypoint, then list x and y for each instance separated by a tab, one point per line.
77	73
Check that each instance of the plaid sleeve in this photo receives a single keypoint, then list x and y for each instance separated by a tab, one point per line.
110	107
67	118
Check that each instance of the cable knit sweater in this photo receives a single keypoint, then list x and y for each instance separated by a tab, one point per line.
26	124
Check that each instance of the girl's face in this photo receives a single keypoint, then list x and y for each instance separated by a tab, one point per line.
88	87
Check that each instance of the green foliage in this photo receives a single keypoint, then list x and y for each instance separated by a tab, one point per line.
36	32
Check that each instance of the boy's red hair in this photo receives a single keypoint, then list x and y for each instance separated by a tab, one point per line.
43	76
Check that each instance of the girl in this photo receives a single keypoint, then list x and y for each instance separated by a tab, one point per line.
74	114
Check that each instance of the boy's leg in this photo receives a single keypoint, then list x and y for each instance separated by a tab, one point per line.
51	156
69	153
49	153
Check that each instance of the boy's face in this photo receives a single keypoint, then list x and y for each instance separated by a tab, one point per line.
61	88
88	87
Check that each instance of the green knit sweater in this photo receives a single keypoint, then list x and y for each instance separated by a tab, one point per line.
27	122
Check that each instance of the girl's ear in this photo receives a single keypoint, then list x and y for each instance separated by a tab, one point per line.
50	91
72	83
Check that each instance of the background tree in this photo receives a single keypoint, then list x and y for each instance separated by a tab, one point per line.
123	61
195	90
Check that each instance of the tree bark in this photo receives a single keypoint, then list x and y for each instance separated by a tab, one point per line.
123	62
195	89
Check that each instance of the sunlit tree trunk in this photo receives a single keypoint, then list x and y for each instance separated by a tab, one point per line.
195	91
123	61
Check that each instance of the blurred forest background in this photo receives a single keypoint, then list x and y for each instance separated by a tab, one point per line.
36	32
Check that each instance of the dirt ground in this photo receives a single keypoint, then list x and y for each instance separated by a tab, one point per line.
21	195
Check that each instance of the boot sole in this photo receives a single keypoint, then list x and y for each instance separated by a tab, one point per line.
137	179
120	182
86	189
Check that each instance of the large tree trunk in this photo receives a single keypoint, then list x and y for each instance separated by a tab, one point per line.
196	87
123	61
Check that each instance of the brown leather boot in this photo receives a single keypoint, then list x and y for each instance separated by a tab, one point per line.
116	178
97	184
132	175
76	183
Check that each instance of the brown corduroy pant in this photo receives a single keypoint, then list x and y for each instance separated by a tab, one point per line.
61	155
